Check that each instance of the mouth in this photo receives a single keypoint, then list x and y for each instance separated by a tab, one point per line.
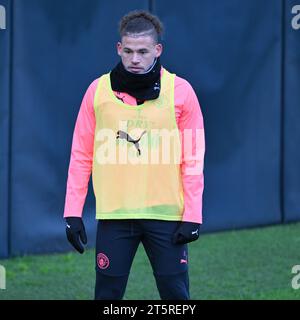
135	69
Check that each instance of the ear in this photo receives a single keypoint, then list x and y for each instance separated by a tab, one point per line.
119	48
158	49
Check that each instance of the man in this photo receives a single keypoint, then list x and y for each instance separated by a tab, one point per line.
143	193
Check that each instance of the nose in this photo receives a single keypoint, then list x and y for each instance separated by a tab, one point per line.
135	58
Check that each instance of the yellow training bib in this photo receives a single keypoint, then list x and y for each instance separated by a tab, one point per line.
137	153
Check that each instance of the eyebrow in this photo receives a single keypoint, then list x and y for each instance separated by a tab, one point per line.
142	49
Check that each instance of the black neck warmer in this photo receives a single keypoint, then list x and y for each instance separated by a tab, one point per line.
145	86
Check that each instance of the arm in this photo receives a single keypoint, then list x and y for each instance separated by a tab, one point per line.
191	125
81	160
80	168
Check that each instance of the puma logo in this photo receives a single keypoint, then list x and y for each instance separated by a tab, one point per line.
195	232
124	135
120	98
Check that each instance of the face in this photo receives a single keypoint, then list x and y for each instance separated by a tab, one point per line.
138	52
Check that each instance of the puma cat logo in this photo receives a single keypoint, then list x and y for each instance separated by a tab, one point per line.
195	232
124	135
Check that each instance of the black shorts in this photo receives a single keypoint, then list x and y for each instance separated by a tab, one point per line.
118	240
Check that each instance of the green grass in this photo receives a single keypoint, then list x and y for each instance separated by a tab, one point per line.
247	264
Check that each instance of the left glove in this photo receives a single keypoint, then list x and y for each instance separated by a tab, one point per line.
75	232
186	232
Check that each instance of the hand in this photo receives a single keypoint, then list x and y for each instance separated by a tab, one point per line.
187	232
75	230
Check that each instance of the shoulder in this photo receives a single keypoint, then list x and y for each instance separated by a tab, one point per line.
88	99
92	87
183	91
94	84
183	85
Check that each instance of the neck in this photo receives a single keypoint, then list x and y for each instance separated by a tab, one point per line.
142	86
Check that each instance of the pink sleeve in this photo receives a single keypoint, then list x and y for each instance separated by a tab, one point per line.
81	160
190	123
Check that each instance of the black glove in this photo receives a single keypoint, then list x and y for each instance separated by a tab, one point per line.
75	230
186	232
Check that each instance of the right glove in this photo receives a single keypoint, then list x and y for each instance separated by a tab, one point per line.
187	232
75	230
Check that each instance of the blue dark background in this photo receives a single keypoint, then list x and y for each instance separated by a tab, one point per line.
241	56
